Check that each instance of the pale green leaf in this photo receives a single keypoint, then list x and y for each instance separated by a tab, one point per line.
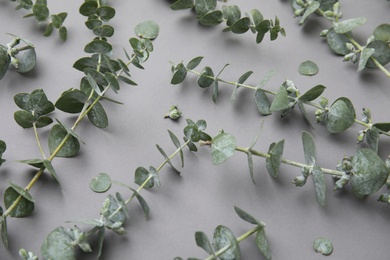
308	68
223	146
309	148
262	244
341	115
100	183
365	55
147	30
59	245
203	242
223	237
349	24
319	184
323	245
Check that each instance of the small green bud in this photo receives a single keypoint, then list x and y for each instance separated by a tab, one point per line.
300	2
350	46
384	198
336	8
324	102
367	113
319	112
299	12
360	136
329	13
299	181
324	33
173	113
291	86
27	255
341	182
349	56
305	172
354	58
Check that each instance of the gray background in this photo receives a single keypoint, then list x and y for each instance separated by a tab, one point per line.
204	196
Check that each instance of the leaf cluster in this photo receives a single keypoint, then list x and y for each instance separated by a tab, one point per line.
41	13
22	58
208	14
226	245
374	54
62	242
337	116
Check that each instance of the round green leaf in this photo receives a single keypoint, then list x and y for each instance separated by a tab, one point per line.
71	101
327	4
308	68
5	60
103	31
337	42
241	26
57	134
179	74
101	183
141	175
211	18
98	116
41	12
147	30
231	13
202	7
88	8
223	237
27	60
24	118
58	245
341	115
206	78
98	46
24	208
348	25
369	172
105	12
92	23
3	147
381	54
382	32
323	245
223	146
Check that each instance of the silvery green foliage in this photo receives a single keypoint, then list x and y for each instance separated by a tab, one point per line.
337	117
101	74
62	242
41	13
22	58
208	14
226	246
374	54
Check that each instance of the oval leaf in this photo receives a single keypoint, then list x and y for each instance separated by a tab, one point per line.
101	183
23	209
58	245
323	245
147	30
308	68
224	237
341	115
71	146
262	244
223	146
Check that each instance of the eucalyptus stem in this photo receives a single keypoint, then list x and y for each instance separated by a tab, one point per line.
310	103
38	141
289	162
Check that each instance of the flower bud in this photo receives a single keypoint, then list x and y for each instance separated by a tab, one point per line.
299	12
173	113
324	102
341	182
350	46
299	181
360	136
324	33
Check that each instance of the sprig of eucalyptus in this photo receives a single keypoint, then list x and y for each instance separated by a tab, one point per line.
41	13
337	117
374	54
226	246
365	170
62	242
208	15
102	73
22	58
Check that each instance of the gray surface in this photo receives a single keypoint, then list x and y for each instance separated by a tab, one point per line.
204	196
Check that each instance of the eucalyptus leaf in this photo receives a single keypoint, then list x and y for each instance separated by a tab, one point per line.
97	115
372	137
176	142
182	4
142	202
103	30
369	172
341	115
250	165
211	18
206	77
5	60
223	146
167	158
365	55
262	102
100	183
179	75
51	170
37	163
88	8
192	64
192	133
319	184
4	230
202	7
56	137
241	26
63	33
41	12
98	46
337	42
59	244
312	93
141	175
257	16
309	148
105	12
203	242
349	24
71	101
275	153
280	101
308	68
231	13
246	216
223	237
311	8
382	126
381	54
148	30
323	245
24	207
24	118
262	244
382	32
26	60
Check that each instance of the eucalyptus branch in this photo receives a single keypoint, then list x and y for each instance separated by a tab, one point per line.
226	246
208	15
102	74
61	243
22	58
337	117
41	13
376	52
